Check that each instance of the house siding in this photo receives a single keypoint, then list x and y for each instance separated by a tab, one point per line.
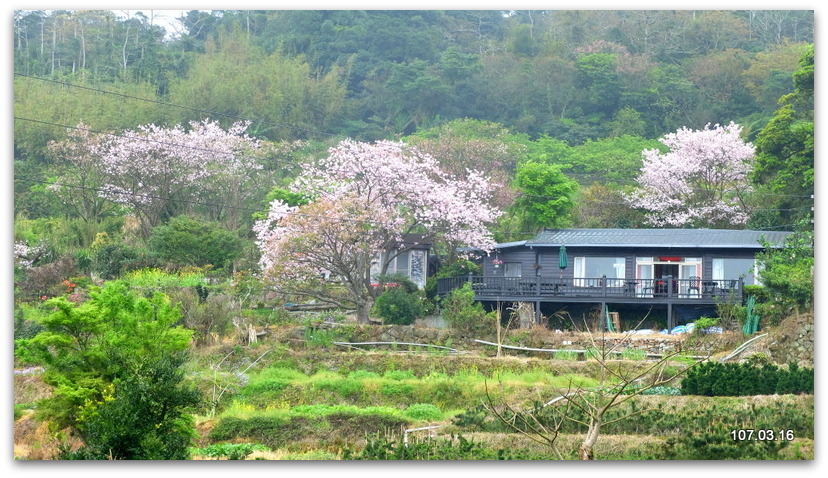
548	258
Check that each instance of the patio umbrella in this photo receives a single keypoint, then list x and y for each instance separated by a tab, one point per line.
562	264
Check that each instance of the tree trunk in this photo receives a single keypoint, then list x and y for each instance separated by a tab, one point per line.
585	452
362	311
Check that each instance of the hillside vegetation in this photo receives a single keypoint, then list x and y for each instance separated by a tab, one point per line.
181	199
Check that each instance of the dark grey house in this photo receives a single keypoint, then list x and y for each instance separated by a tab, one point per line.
665	267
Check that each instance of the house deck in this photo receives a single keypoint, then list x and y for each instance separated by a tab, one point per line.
665	291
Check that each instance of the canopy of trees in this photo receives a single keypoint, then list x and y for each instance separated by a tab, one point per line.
554	107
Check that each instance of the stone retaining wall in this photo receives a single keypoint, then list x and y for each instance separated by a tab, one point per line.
793	341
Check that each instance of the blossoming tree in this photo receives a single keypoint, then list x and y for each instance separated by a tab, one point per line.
365	198
702	181
155	170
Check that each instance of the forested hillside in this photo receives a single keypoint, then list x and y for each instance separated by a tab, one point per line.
181	193
601	85
574	97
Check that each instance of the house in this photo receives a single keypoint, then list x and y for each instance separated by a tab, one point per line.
410	258
674	269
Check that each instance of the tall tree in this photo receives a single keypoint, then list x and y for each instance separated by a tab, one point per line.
157	172
284	94
545	197
702	181
483	146
366	197
784	170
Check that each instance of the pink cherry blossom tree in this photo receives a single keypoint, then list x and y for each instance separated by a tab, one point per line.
366	197
81	168
702	181
156	170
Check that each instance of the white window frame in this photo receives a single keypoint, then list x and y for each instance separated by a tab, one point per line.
579	269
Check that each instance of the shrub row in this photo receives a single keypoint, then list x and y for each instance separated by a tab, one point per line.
665	416
734	379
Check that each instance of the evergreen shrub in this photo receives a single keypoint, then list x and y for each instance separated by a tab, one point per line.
734	379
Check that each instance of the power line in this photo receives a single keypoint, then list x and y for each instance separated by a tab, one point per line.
276	124
189	108
210	112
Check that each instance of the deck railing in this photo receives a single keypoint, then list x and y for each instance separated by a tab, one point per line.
602	287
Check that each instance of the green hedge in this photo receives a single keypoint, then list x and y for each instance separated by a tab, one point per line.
734	379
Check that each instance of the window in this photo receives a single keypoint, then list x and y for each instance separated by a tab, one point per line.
418	267
412	264
513	269
728	269
401	264
597	267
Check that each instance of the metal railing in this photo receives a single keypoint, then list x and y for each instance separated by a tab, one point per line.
600	287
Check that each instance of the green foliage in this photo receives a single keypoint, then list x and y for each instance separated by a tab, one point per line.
399	375
633	354
396	390
459	448
598	78
714	442
26	321
194	242
672	416
322	422
464	314
610	161
565	355
423	412
703	323
734	379
546	198
459	268
784	171
146	417
286	196
787	273
400	304
662	390
116	353
304	99
343	388
316	337
158	280
231	451
112	260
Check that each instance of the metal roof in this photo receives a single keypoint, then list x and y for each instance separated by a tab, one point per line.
698	238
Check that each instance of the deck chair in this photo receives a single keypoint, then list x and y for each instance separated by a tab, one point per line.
694	285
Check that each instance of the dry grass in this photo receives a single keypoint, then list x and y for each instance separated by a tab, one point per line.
33	440
29	388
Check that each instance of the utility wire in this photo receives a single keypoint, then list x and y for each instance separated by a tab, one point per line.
213	204
139	138
189	108
210	112
215	113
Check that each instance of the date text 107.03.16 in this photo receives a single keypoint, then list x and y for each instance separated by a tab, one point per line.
749	434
